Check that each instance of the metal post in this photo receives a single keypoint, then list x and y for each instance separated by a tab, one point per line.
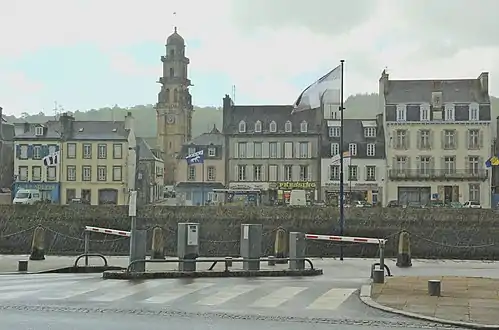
87	247
382	255
342	210
202	185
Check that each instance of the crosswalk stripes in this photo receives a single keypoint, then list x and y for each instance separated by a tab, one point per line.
332	299
225	295
121	294
278	297
177	293
76	290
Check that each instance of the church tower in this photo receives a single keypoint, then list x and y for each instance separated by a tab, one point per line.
174	108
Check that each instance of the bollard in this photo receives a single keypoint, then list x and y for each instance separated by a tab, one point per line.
379	276
228	261
434	288
297	250
281	246
37	245
272	261
158	244
22	266
404	250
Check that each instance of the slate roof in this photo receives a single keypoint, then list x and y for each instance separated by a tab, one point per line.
145	151
8	132
53	131
99	130
213	137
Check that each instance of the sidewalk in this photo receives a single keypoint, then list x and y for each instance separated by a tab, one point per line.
464	299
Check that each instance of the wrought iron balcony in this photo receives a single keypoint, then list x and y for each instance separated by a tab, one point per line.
438	174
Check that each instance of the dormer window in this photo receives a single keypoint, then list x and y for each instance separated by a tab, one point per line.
273	127
191	150
242	126
38	130
258	127
303	127
401	112
288	127
370	131
212	152
450	111
474	112
424	112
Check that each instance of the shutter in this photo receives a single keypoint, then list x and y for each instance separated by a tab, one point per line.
466	164
297	150
250	172
279	150
480	138
456	139
44	150
442	165
236	150
408	140
309	173
310	146
18	151
419	139
366	174
418	164
432	165
481	164
236	173
430	139
250	150
30	151
263	177
265	150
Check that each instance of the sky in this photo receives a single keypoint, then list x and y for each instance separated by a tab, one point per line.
87	54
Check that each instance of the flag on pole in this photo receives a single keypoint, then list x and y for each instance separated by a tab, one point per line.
326	89
51	160
195	158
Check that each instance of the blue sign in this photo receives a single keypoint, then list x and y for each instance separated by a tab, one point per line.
48	190
195	158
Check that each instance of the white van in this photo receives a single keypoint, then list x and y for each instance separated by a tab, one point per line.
27	196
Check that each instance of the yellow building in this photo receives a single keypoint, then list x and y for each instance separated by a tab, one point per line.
97	161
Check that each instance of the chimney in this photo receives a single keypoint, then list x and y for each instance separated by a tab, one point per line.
383	83
129	121
66	121
484	82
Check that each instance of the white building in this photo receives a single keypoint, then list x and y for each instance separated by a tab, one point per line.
438	137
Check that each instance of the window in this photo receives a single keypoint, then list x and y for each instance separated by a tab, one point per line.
449	164
71	150
449	139
102	151
101	173
371	149
334	131
258	149
473	164
288	127
258	127
23	173
474	112
304	173
288	172
425	165
335	149
424	139
87	151
37	152
400	164
303	149
86	173
191	173
242	149
172	73
24	151
273	149
36	173
474	193
273	127
241	173
352	172
401	139
257	172
473	139
212	152
334	172
38	130
71	173
370	173
273	175
211	173
70	195
370	132
191	150
86	195
242	127
117	173
303	127
288	149
424	112
51	173
450	112
117	151
352	148
401	112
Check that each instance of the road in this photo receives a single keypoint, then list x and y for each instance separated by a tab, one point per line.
82	301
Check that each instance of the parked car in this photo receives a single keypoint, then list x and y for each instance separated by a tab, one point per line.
472	205
361	204
393	203
455	205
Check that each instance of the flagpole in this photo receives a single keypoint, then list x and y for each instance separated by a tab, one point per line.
202	185
342	209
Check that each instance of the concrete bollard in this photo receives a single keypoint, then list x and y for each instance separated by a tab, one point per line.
228	261
37	245
272	261
22	266
404	250
280	245
434	288
158	244
379	276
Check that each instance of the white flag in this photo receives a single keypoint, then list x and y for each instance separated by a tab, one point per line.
326	89
51	160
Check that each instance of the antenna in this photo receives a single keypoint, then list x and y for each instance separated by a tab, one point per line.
234	93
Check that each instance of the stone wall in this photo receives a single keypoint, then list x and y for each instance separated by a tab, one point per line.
436	233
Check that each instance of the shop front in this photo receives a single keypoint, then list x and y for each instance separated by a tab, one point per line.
50	191
352	192
284	189
248	193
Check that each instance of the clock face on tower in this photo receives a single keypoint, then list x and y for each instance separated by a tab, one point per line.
170	119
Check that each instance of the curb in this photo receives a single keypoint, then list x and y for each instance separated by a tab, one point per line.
365	297
123	275
69	270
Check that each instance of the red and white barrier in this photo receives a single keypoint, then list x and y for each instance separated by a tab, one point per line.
108	231
364	240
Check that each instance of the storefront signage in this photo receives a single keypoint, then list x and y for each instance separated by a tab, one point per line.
37	186
296	185
249	186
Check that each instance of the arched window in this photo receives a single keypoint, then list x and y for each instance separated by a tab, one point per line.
303	127
242	126
172	73
288	127
273	127
258	127
175	95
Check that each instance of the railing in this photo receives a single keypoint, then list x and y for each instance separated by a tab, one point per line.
438	174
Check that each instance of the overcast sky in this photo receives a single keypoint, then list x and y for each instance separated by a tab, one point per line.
88	53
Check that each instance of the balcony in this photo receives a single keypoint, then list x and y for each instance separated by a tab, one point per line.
174	81
438	175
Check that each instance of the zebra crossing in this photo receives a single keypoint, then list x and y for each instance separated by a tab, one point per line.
209	294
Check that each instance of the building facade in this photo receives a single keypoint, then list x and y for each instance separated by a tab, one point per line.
438	137
150	179
364	171
174	108
270	150
193	186
98	160
6	153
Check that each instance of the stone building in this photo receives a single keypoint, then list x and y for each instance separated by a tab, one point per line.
438	137
174	108
6	153
272	151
